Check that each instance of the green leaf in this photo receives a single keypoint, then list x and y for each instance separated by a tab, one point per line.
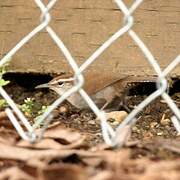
4	82
3	103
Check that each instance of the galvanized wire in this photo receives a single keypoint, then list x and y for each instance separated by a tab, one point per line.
113	137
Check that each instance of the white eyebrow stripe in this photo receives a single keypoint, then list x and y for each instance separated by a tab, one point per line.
61	80
66	80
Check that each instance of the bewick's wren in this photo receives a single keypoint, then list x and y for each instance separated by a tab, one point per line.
101	97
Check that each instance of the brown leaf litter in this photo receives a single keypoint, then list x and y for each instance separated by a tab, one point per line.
64	154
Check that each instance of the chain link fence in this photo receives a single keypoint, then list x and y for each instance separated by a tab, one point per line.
113	137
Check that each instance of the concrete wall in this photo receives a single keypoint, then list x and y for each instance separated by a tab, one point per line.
84	25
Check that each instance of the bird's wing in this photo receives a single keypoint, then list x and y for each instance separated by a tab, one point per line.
119	81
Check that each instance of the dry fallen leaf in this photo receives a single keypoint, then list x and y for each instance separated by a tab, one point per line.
171	145
161	170
4	120
8	136
23	154
43	144
57	137
51	144
3	115
63	172
14	173
67	135
103	175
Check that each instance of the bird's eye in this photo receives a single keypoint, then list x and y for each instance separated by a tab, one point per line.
60	83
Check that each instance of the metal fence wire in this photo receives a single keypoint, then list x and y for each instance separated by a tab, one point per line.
113	137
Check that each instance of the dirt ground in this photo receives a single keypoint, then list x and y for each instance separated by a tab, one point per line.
72	147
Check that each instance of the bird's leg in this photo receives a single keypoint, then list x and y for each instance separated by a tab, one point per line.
122	104
105	105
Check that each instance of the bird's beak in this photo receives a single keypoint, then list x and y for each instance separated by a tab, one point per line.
42	86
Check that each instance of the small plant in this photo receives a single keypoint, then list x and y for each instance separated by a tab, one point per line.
43	110
3	70
3	103
3	82
40	112
27	107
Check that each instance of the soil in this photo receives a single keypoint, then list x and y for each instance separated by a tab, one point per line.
148	126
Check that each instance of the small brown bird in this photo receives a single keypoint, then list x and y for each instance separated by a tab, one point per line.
102	96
